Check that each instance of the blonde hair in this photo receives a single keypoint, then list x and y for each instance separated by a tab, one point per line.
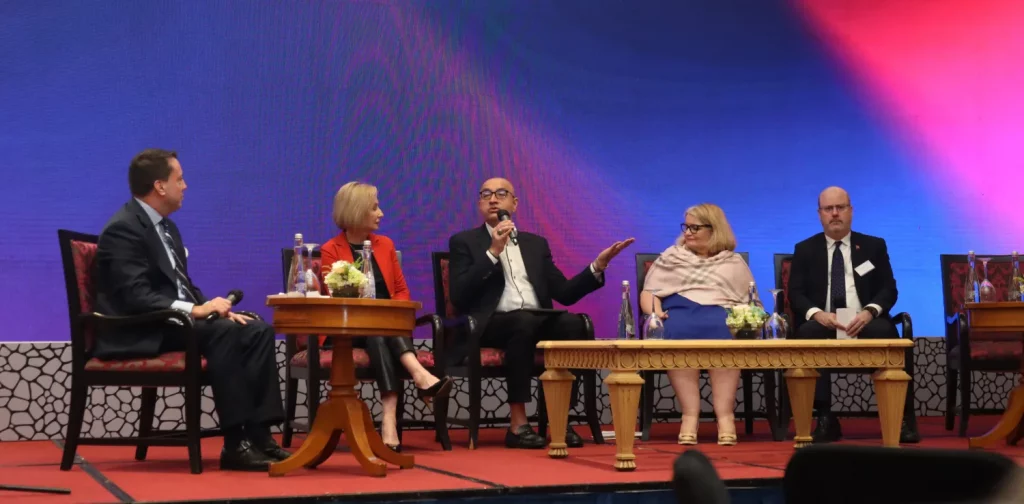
722	237
352	203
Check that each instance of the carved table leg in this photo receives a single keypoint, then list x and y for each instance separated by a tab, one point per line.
557	392
891	391
1010	424
800	383
624	391
344	410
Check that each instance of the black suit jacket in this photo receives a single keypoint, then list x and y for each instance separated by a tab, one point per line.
476	284
134	276
808	276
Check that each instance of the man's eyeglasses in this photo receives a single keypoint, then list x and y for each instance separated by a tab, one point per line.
500	193
693	228
834	208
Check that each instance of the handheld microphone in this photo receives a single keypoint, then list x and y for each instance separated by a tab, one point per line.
234	297
503	215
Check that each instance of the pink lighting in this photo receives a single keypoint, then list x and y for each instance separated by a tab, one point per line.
949	76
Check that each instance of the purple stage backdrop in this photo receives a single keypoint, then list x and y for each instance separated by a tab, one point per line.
611	117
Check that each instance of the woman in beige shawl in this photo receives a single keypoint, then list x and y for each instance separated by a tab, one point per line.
689	287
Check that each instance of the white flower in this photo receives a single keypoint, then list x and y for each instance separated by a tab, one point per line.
344	274
741	316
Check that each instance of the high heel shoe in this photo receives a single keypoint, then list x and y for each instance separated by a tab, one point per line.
688	439
439	389
395	448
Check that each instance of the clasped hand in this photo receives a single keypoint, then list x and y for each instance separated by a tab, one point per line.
220	306
852	329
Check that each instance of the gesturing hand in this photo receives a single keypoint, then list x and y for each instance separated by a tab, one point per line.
609	253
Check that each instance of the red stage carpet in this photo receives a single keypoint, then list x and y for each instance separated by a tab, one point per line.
110	474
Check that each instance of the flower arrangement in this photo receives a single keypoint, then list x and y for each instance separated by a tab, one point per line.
744	320
345	279
1018	283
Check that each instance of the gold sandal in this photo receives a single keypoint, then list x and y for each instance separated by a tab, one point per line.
727	439
687	439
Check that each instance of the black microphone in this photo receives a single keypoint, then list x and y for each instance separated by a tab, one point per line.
503	215
234	297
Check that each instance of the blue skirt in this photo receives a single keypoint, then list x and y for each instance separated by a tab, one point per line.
688	320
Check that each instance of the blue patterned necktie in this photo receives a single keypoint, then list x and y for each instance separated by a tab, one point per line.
838	279
185	287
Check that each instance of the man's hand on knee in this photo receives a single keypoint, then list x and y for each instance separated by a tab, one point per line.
828	320
238	318
858	323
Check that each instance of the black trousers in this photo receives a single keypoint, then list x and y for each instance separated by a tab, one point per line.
518	333
385	353
242	367
878	328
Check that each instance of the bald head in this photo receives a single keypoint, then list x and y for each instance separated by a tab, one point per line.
496	194
497	182
834	193
835	212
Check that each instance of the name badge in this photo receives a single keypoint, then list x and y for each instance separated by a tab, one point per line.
864	268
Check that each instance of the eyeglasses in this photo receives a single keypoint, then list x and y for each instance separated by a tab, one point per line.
500	193
693	228
834	208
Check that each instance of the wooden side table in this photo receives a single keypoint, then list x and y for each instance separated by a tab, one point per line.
344	411
1003	316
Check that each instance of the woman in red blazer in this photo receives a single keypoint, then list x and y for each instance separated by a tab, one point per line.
357	213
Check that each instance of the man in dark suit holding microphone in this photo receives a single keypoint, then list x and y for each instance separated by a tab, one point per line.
497	276
142	267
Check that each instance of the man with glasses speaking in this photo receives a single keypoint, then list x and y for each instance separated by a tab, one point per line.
506	279
841	285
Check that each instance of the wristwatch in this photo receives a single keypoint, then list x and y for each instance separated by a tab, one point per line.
873	310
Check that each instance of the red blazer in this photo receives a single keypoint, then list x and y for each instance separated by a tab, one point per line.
338	249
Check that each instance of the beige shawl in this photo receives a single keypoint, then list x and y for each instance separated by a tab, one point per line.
720	280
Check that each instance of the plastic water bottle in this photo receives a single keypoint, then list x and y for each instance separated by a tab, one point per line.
296	272
370	289
627	325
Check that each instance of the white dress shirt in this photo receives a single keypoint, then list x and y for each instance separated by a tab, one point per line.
181	304
519	292
852	301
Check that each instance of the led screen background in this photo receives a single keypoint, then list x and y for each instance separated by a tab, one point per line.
611	117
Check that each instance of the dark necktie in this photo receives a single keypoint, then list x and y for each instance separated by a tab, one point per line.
838	279
179	265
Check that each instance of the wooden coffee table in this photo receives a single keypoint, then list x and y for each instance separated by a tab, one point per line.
344	410
800	358
1002	316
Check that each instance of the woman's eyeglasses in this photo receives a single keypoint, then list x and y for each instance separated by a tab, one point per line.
693	228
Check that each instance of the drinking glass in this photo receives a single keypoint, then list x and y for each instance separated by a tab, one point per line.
775	327
986	290
312	277
654	328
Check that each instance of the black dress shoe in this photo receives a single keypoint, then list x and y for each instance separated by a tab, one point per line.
272	450
572	440
524	437
244	458
827	430
908	433
439	389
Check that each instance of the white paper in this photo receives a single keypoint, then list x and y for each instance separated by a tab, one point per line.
844	316
864	268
